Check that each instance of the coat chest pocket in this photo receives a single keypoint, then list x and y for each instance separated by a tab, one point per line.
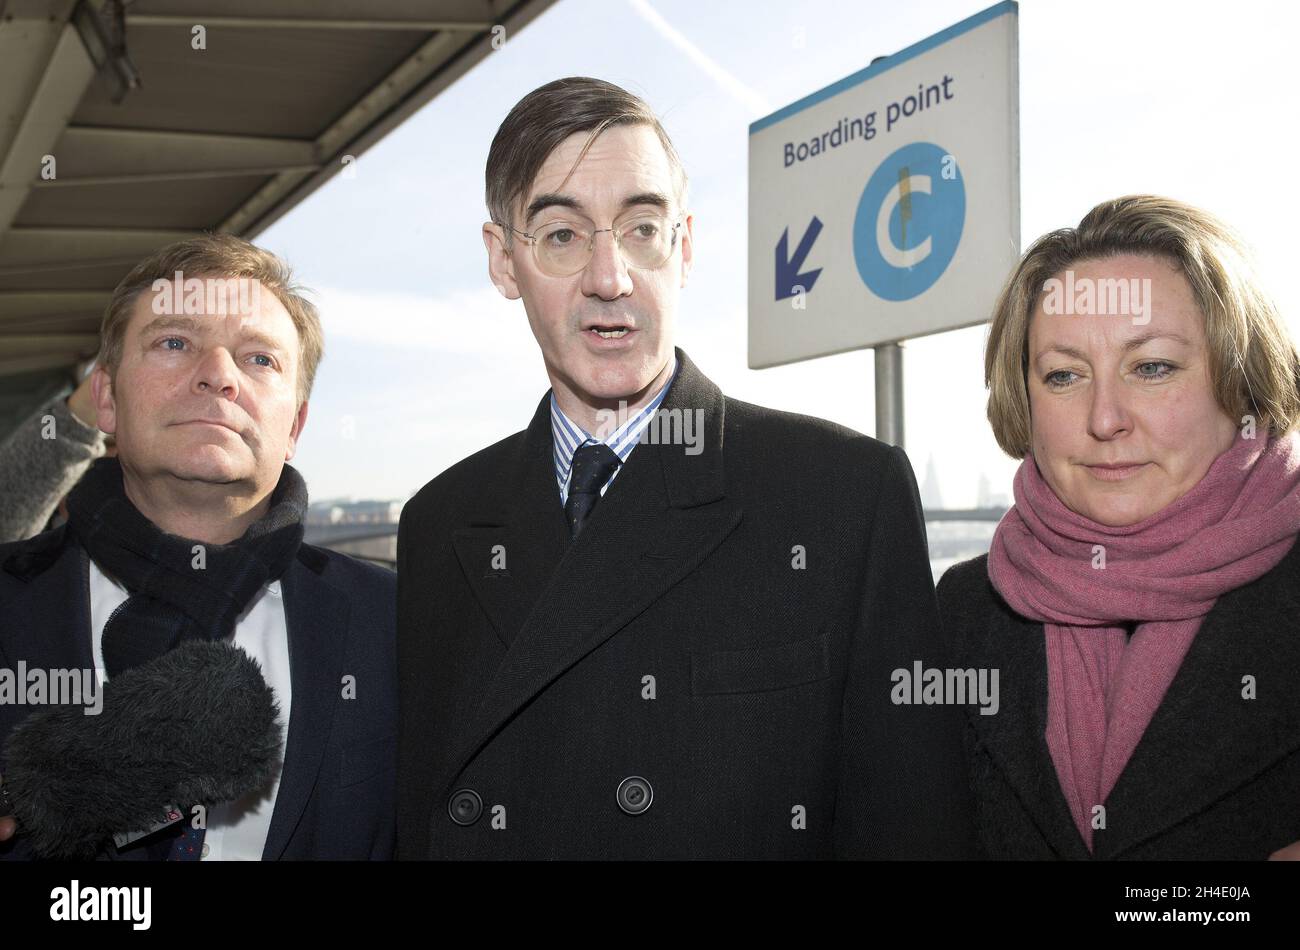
367	759
761	669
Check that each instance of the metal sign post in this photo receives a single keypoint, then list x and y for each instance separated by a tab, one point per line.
889	393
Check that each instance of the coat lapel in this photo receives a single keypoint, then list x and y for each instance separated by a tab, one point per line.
47	625
1205	738
316	615
1016	737
659	519
518	535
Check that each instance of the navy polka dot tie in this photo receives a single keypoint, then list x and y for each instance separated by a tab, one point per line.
592	466
188	845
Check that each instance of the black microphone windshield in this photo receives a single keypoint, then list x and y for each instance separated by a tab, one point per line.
197	725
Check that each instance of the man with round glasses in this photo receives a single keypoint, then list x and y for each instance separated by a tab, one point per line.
563	245
658	622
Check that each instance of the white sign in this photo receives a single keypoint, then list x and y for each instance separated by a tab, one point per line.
887	205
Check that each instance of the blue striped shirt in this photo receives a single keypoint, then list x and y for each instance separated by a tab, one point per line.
568	436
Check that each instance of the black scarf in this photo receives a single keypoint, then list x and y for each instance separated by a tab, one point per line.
171	599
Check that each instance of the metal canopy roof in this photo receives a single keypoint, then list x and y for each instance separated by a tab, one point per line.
95	174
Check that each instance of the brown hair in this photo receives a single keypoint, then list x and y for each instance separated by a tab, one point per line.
1254	365
216	256
547	116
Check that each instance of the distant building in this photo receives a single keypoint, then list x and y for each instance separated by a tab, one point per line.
931	497
354	512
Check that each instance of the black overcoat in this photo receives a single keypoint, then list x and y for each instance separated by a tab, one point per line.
1216	775
718	641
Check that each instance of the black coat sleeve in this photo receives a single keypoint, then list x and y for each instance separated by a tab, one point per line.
903	790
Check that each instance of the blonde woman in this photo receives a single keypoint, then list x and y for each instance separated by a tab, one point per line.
1141	597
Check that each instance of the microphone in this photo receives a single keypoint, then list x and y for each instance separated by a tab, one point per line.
196	725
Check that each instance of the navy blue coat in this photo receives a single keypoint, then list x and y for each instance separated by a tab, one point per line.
336	795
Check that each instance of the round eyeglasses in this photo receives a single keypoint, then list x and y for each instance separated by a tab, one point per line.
563	247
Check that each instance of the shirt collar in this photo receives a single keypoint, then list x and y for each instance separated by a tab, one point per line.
567	435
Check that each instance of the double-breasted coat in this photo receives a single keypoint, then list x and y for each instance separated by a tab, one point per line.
704	672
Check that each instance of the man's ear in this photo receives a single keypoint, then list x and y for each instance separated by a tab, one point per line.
501	265
299	422
688	247
101	394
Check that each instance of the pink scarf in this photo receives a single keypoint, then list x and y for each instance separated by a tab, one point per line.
1165	572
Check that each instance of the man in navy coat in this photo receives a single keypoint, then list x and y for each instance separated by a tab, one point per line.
195	531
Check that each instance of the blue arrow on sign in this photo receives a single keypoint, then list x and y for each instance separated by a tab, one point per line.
787	267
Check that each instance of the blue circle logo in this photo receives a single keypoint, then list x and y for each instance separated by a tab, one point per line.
909	221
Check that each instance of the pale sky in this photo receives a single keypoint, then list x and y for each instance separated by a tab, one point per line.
426	363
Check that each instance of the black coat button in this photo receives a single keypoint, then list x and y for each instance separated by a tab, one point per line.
635	795
465	806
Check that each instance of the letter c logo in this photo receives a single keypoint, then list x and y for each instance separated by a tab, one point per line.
909	222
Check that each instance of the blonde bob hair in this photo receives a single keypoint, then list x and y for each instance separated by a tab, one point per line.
1254	366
